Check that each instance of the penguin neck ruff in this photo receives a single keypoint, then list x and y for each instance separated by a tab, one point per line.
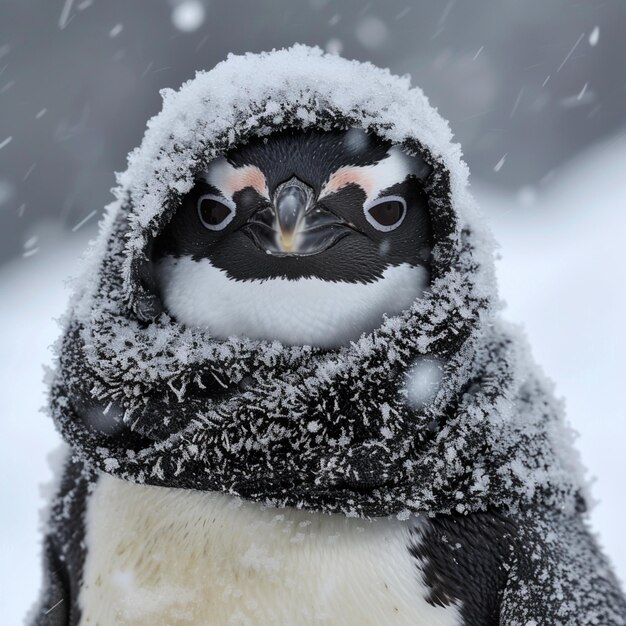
437	409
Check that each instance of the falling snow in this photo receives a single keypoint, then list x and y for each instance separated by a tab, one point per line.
334	20
65	14
30	252
334	46
29	171
569	54
188	15
116	30
31	242
516	104
83	221
371	32
423	381
7	190
498	166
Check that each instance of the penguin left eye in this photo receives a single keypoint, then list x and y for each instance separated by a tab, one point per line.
214	213
386	214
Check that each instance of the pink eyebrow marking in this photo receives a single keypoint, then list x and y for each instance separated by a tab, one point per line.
247	176
348	175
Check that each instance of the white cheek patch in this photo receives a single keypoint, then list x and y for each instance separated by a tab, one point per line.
373	179
229	179
309	311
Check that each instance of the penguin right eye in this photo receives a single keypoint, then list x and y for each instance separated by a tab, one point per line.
214	213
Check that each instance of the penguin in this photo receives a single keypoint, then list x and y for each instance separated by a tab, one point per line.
299	224
307	238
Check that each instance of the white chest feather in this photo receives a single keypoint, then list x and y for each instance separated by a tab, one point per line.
309	311
158	556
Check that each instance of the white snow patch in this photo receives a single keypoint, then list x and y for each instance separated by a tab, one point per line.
423	381
33	297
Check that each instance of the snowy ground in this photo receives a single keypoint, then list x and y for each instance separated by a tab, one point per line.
562	273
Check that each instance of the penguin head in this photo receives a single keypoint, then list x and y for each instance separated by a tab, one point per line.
306	237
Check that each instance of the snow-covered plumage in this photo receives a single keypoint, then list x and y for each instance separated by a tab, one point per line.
345	431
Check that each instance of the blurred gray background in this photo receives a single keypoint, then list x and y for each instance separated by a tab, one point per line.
526	84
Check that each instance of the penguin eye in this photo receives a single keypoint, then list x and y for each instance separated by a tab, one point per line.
214	213
386	213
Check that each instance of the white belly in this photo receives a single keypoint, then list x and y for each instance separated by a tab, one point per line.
158	556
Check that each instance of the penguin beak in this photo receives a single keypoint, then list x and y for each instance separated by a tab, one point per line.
294	225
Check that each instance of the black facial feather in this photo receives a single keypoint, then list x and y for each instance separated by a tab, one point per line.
361	255
312	156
